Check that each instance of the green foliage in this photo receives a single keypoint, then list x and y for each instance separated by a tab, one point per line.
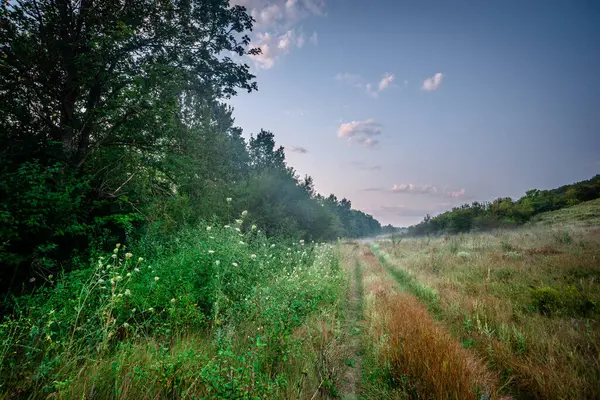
112	124
505	212
212	278
570	301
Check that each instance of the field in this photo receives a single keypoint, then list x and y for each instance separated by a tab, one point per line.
224	312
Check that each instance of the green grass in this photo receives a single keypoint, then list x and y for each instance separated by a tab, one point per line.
526	299
587	213
214	311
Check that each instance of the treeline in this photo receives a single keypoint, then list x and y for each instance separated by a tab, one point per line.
505	212
113	124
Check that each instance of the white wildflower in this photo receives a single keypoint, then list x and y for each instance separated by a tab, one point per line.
238	229
217	262
151	309
114	256
127	292
136	269
234	264
228	199
253	256
128	256
253	227
32	280
129	274
211	252
244	213
173	300
118	245
238	221
118	278
227	226
140	259
156	278
125	325
208	228
100	280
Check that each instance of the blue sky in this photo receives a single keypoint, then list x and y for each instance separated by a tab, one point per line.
411	107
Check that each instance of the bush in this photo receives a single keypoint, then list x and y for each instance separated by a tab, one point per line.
549	301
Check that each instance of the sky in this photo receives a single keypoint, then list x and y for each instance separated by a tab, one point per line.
413	107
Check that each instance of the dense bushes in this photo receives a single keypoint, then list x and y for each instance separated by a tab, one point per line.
209	278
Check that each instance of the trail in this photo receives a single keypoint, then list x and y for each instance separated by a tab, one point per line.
349	386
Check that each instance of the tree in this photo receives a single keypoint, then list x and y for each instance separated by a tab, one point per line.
108	97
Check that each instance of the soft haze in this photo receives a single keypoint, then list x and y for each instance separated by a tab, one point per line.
408	108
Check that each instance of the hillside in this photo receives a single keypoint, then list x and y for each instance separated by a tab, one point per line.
586	213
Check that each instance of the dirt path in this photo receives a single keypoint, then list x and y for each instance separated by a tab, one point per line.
349	387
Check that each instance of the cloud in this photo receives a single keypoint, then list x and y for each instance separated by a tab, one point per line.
431	84
416	189
427	189
386	81
361	131
369	88
363	167
277	27
298	149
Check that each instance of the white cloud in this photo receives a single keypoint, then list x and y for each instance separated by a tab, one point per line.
386	81
432	83
416	189
277	26
370	89
427	189
361	131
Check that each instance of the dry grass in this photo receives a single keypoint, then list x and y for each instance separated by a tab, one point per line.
417	350
487	286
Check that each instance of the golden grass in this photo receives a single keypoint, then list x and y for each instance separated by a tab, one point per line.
485	284
415	347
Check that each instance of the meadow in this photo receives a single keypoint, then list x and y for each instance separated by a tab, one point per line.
223	312
525	301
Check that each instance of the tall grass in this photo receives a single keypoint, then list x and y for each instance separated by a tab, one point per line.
419	358
526	300
215	311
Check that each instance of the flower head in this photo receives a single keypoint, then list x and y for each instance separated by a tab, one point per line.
127	292
234	264
211	252
173	300
228	199
217	262
156	278
128	256
140	259
253	256
244	213
253	227
208	228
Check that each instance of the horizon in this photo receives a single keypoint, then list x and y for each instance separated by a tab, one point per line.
411	109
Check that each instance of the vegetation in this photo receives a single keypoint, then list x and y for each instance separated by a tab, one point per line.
147	250
505	212
524	300
113	124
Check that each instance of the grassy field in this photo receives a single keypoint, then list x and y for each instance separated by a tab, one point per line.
223	313
526	301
